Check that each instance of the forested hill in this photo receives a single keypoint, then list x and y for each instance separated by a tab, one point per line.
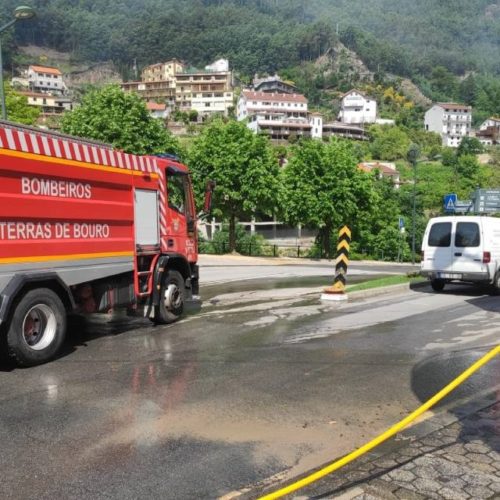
405	37
461	35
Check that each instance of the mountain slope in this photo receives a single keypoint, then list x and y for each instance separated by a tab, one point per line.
265	35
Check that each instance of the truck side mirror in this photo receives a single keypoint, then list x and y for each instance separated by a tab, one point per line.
209	189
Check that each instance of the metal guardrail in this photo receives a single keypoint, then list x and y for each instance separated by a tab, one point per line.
261	249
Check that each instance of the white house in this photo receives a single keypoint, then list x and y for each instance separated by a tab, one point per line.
49	104
450	120
490	122
316	121
489	132
357	108
218	66
384	169
46	80
291	105
157	110
279	115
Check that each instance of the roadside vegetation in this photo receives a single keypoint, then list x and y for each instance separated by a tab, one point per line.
405	60
318	184
383	282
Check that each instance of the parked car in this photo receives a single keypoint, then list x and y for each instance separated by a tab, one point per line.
462	249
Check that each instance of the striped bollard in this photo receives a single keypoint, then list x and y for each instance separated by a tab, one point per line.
337	290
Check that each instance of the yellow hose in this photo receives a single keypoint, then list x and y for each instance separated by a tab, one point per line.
388	433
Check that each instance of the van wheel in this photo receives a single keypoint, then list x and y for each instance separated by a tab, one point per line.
437	285
494	288
172	297
37	328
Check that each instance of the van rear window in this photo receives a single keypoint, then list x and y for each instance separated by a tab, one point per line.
467	235
440	234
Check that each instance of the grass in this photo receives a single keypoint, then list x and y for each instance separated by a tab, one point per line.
380	282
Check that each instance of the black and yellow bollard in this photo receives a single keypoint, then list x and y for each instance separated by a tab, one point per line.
337	290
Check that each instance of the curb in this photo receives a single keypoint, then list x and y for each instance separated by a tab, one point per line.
373	292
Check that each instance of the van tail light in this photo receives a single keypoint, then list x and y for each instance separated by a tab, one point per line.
422	255
486	257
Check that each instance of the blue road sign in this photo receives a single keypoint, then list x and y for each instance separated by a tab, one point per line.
401	223
450	202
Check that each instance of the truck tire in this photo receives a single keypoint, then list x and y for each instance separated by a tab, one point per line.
172	297
37	328
437	285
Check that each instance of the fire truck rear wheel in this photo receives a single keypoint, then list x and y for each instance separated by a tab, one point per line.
37	328
172	296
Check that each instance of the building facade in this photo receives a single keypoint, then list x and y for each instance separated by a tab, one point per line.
357	108
321	130
279	115
283	116
43	79
162	91
205	91
273	84
489	132
162	71
451	121
158	110
384	169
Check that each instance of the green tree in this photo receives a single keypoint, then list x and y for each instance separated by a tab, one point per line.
109	115
389	142
18	109
323	188
469	146
378	233
469	173
244	167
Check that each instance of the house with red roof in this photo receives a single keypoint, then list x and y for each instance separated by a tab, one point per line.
45	79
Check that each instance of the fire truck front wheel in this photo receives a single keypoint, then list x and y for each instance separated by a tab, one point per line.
37	328
172	298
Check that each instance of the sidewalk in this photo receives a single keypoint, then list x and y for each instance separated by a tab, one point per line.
460	460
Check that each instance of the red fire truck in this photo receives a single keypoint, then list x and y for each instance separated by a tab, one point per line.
86	228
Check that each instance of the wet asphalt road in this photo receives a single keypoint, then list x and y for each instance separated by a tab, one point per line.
255	384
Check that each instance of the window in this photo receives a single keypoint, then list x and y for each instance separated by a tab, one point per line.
440	234
178	194
467	235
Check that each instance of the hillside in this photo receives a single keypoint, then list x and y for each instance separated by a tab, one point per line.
461	35
400	36
450	49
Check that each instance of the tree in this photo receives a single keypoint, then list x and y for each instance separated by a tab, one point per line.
18	109
469	173
469	146
109	115
378	233
323	188
244	167
389	142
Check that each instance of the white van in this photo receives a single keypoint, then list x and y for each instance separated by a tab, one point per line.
462	248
